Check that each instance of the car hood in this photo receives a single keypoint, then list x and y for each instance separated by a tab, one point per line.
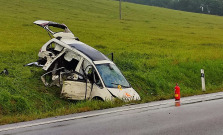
126	94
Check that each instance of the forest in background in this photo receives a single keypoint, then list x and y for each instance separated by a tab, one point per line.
214	7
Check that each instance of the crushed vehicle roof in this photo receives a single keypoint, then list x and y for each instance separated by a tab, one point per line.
92	53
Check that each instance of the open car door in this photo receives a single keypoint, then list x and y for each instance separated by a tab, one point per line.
76	90
80	87
61	29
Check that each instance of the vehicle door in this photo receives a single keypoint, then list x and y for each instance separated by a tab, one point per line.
79	85
55	29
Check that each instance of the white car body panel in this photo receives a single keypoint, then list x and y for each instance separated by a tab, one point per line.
73	64
125	94
74	90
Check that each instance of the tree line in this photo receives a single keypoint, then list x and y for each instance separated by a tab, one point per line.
214	7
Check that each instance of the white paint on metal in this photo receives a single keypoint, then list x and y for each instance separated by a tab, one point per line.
203	80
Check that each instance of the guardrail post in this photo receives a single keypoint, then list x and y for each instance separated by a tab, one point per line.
203	80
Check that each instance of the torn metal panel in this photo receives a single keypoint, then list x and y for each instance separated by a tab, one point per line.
75	90
45	82
71	55
34	63
50	60
78	67
58	47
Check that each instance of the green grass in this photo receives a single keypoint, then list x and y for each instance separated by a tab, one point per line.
153	47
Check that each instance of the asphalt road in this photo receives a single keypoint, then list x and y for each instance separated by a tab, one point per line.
157	118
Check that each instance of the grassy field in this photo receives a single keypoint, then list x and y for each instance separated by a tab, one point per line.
153	47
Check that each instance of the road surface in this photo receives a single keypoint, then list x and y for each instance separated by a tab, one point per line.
195	116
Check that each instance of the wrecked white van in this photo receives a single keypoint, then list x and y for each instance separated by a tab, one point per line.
80	70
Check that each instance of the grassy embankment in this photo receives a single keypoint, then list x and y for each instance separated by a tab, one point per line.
154	48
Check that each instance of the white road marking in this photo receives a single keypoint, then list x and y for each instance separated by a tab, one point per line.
79	117
169	103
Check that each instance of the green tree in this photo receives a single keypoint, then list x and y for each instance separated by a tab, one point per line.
199	6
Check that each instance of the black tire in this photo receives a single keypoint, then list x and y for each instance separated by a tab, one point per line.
98	99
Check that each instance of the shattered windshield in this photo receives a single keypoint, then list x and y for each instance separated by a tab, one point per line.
112	76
